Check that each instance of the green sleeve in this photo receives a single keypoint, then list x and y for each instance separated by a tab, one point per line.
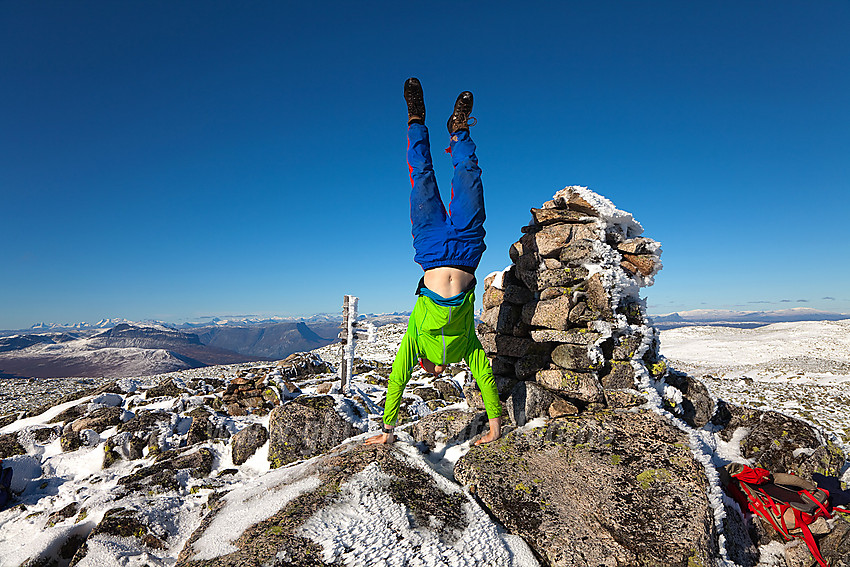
405	361
483	374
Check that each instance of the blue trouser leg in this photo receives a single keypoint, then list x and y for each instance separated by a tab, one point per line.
427	212
455	238
466	209
467	205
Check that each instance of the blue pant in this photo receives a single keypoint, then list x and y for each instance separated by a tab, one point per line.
440	237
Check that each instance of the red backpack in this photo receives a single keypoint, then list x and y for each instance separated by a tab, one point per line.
786	501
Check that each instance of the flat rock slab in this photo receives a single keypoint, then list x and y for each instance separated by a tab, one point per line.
552	216
552	313
573	336
162	473
451	426
610	488
583	386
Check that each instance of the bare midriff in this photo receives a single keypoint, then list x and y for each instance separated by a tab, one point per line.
447	281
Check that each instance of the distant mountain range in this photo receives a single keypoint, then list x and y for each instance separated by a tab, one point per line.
316	320
120	348
742	319
210	322
124	350
102	324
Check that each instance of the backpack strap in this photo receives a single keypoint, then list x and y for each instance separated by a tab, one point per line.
743	473
762	504
810	539
819	502
787	502
800	494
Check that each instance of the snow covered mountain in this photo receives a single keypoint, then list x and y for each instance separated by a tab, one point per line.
123	350
315	320
102	324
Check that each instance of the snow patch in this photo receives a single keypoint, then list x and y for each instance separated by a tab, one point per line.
248	504
499	277
611	215
366	527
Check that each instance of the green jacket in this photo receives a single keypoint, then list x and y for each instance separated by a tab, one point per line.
442	335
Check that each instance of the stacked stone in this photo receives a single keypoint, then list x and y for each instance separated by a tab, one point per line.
303	364
566	314
245	394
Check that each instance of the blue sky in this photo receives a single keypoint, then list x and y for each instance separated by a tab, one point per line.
173	160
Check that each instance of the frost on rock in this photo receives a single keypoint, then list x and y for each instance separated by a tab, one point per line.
580	330
567	313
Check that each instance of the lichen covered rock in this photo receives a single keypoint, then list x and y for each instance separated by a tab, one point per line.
311	425
451	426
162	474
780	443
246	442
9	446
612	488
125	523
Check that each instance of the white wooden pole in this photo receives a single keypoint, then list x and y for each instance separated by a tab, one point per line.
351	331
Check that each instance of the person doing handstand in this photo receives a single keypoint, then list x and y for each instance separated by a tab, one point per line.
448	245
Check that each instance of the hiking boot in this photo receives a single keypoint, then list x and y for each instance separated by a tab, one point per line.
415	101
459	120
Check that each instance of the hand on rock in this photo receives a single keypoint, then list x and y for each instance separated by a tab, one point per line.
380	439
494	433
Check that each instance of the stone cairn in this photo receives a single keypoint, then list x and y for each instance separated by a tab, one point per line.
244	394
257	390
564	322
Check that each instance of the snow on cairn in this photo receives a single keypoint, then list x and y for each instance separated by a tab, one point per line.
565	323
575	280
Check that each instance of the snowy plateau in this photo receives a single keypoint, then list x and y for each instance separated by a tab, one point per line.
62	498
799	368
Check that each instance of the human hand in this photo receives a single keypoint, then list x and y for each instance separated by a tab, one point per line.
380	439
494	433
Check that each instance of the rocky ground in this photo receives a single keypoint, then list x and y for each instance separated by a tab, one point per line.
176	468
27	394
135	471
